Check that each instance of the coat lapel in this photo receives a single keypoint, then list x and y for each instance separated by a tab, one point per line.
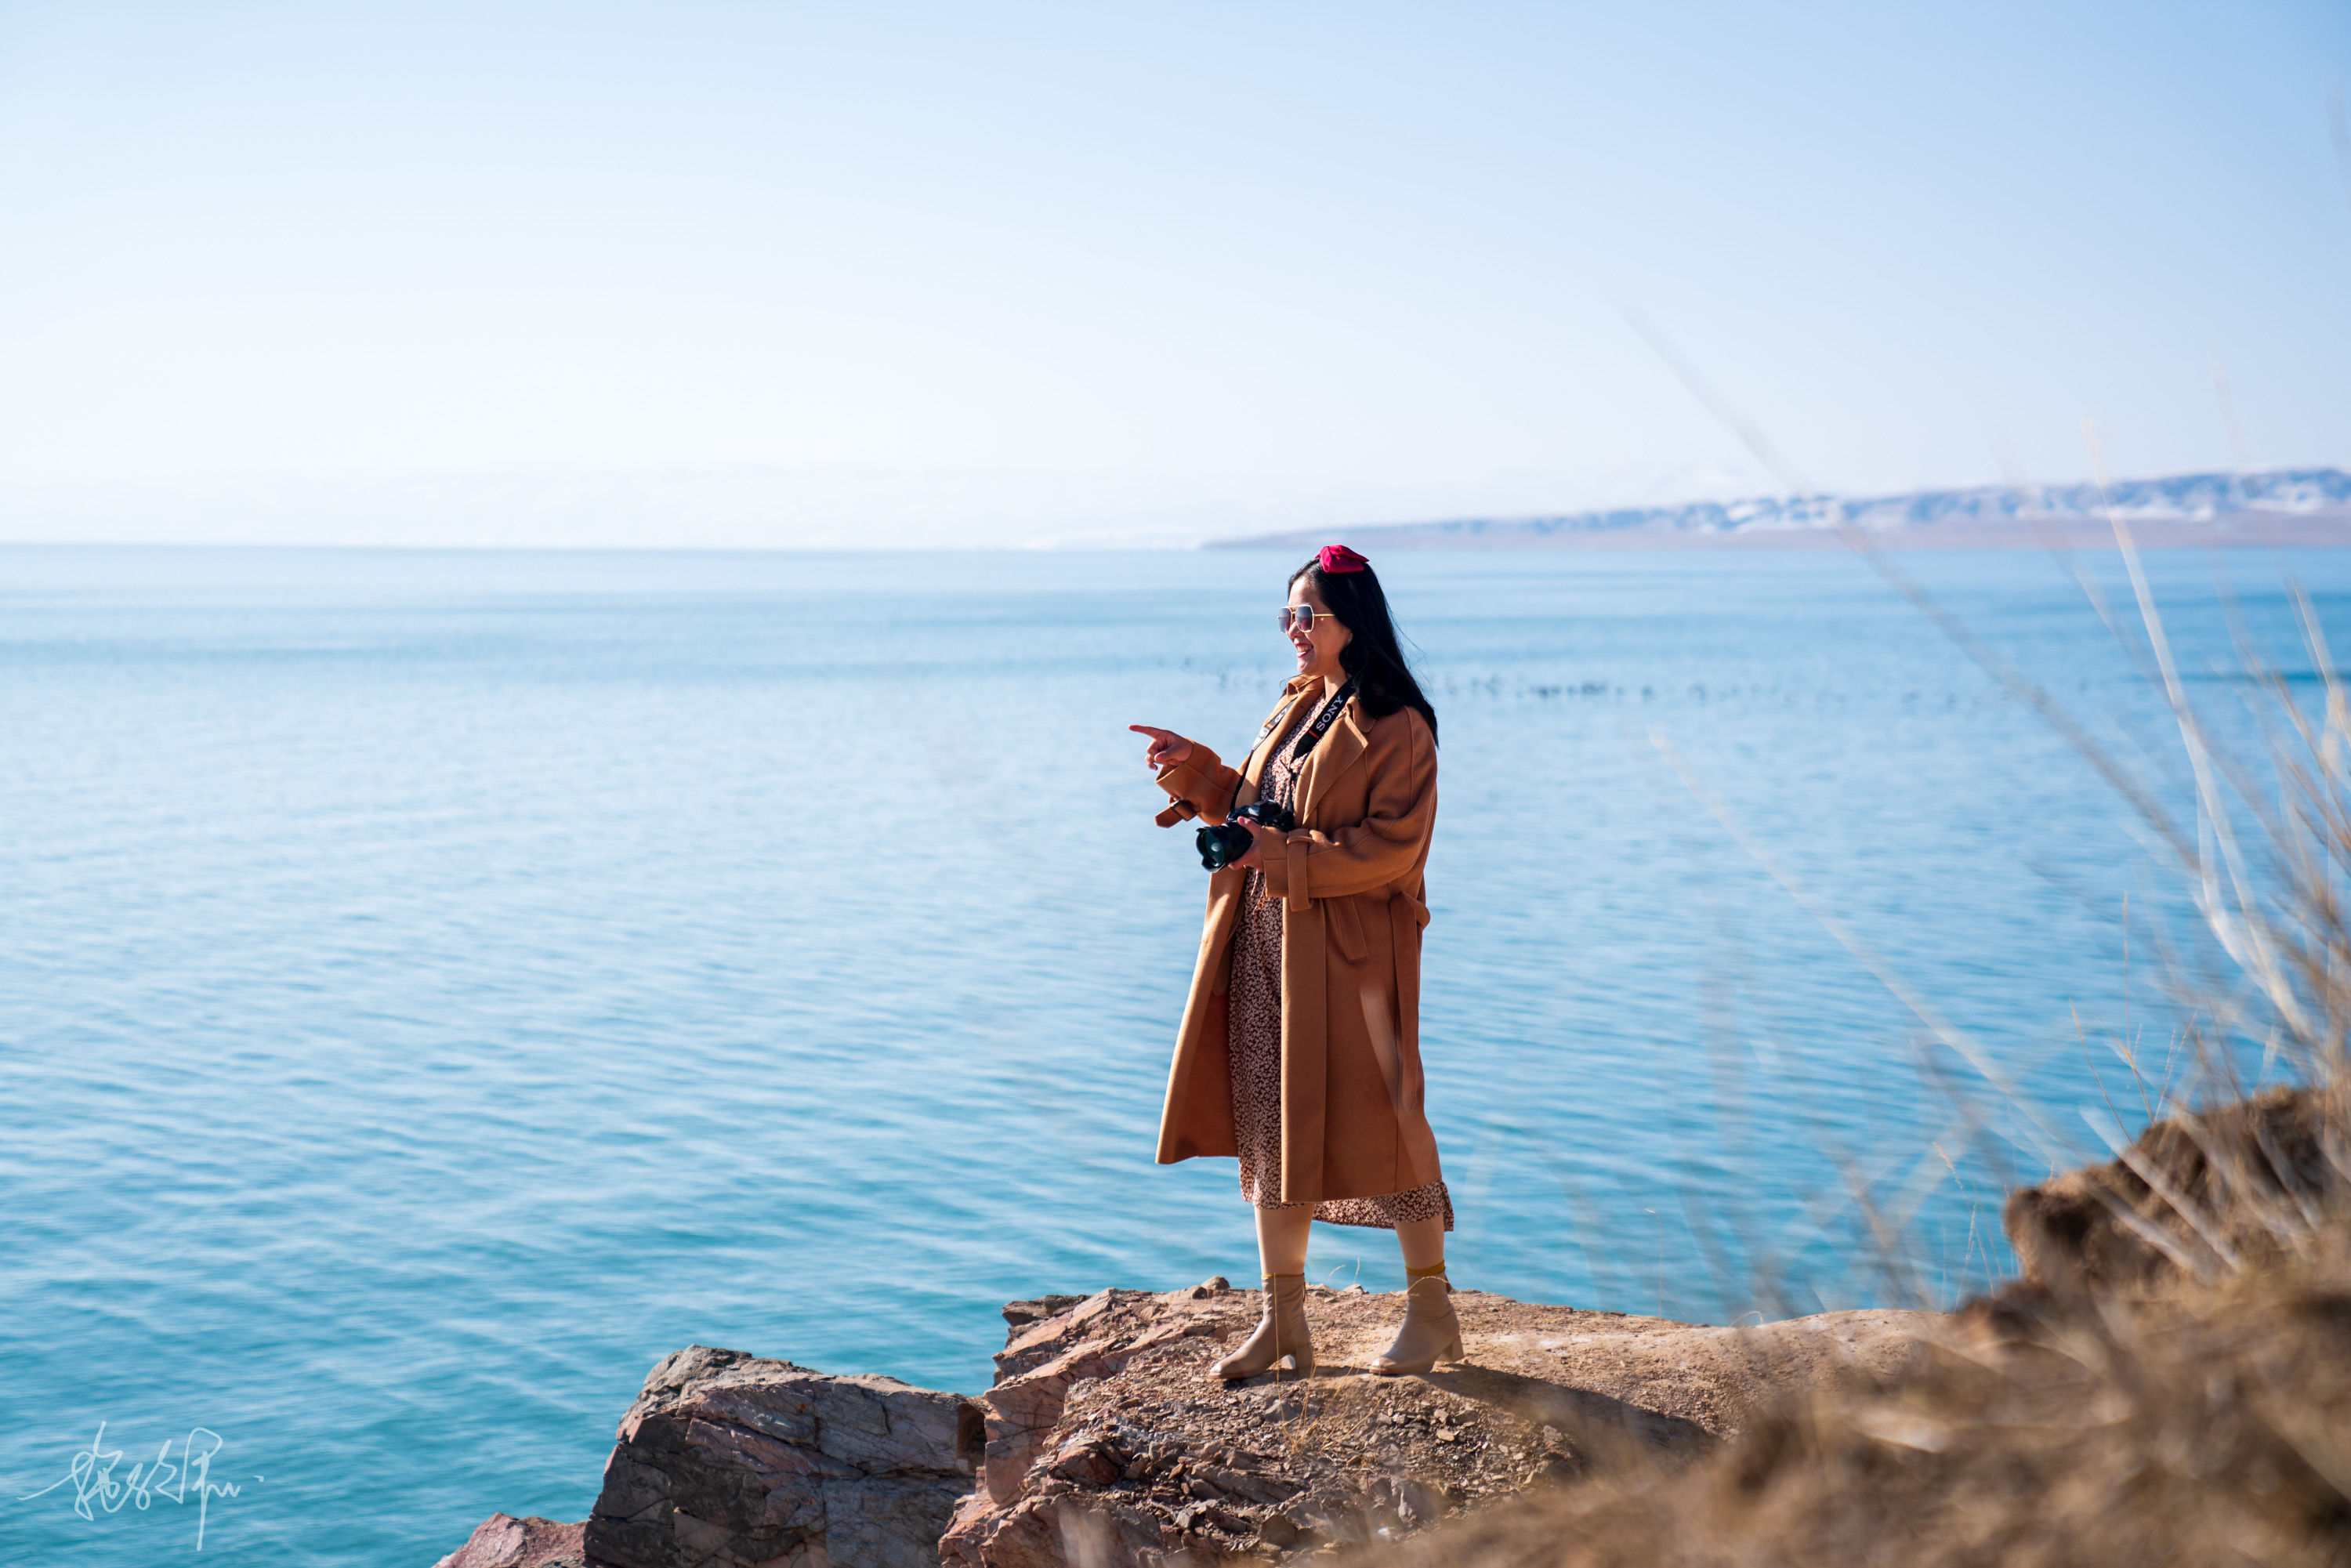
1253	765
1341	750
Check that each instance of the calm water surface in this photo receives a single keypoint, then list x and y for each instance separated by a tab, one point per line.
433	987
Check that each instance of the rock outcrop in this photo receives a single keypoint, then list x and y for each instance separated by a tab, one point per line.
726	1460
1108	1445
1103	1443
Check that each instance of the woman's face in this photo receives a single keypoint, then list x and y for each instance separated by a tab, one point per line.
1318	650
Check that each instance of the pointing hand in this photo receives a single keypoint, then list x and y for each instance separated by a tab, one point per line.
1167	747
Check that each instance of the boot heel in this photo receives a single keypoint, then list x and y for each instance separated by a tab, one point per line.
1431	1332
1282	1334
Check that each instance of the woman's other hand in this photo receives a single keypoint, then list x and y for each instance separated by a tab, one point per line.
1253	861
1167	747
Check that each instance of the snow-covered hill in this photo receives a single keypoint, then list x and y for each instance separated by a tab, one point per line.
1983	514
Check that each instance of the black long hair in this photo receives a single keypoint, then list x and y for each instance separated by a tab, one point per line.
1383	681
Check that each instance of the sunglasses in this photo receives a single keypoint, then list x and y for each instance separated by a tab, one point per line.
1303	617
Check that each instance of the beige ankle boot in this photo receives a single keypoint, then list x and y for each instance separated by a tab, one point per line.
1280	1332
1431	1332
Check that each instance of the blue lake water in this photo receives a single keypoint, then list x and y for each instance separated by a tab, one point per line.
434	985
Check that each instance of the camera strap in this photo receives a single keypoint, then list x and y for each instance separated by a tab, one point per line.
1307	739
1323	723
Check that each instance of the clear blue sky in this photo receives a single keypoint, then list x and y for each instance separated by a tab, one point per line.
1348	261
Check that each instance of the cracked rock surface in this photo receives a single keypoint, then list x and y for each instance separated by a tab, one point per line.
729	1461
1107	1444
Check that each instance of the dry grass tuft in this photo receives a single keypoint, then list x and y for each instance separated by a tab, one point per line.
2125	1411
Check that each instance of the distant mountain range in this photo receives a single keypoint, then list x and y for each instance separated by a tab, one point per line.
2284	506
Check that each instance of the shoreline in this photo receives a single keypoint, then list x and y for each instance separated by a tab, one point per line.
2250	529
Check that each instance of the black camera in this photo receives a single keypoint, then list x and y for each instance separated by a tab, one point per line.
1223	844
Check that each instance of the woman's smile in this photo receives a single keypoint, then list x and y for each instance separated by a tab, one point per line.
1317	647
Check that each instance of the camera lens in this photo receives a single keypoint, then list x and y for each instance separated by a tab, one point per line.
1221	845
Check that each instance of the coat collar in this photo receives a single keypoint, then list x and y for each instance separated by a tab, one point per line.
1341	750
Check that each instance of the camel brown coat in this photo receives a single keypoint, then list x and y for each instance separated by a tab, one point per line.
1353	1123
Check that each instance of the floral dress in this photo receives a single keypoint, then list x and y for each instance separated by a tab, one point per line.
1255	1015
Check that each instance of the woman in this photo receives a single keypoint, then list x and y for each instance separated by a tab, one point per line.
1300	1051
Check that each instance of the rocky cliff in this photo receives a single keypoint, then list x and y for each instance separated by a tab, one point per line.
1103	1443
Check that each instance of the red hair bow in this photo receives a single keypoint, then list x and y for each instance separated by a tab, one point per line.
1339	557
